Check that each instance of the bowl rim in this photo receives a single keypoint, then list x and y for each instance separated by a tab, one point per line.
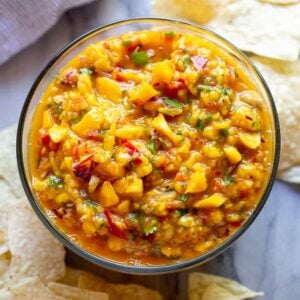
115	265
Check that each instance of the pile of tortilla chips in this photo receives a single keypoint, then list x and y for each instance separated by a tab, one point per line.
269	31
32	261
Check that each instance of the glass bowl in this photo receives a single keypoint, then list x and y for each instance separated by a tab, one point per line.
61	58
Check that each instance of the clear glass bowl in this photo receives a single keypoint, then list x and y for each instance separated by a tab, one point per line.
75	47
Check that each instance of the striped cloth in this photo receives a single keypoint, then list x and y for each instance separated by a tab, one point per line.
23	22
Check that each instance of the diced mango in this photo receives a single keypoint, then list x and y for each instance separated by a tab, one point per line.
197	183
108	88
130	132
161	125
143	93
62	198
210	133
91	121
162	72
130	186
186	221
211	151
84	85
66	164
232	154
58	133
107	195
144	168
215	200
185	147
251	140
124	207
47	120
109	142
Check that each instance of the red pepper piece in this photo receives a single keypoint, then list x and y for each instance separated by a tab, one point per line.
199	62
84	169
47	142
131	149
94	135
138	161
112	226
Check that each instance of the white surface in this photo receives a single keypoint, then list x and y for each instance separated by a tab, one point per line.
267	257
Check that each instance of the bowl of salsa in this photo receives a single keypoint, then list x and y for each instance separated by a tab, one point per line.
148	145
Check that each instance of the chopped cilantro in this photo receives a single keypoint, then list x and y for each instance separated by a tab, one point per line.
127	43
224	132
169	190
184	197
55	182
179	132
200	125
228	179
208	118
186	61
86	71
58	109
224	91
170	34
140	58
149	224
151	146
94	205
172	103
205	88
182	211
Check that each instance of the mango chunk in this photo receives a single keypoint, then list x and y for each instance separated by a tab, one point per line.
161	125
213	201
162	72
130	186
232	154
144	167
91	121
197	183
251	140
58	133
143	94
107	195
108	88
130	132
47	120
124	207
211	150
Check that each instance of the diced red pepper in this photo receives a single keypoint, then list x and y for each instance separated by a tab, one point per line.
112	226
199	62
94	135
131	149
84	169
47	142
138	161
236	224
174	86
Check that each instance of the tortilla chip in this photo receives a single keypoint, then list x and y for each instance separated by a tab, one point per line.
31	288
291	175
117	291
8	161
283	79
201	285
71	277
35	252
249	24
75	293
281	2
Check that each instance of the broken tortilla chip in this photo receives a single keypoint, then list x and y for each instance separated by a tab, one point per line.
35	252
206	286
249	24
75	293
117	291
283	79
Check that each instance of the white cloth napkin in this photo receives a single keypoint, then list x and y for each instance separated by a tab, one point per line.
23	21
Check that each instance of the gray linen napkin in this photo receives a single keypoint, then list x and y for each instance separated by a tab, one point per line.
23	21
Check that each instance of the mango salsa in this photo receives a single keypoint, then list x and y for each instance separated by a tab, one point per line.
150	147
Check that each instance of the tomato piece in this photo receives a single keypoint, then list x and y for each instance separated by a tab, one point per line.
113	227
